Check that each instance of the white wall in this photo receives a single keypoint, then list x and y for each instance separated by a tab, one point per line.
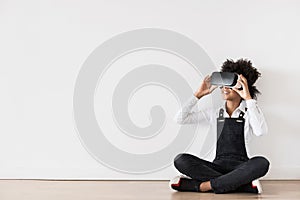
43	45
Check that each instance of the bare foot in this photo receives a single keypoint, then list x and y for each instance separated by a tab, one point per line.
205	186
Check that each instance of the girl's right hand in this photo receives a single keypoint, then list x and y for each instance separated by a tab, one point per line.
205	88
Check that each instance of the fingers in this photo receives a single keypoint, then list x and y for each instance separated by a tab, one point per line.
235	89
242	83
207	78
207	81
238	91
212	88
243	79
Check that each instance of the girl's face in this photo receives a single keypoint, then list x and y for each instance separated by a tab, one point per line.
229	94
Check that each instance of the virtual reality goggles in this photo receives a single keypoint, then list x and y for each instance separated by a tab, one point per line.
227	79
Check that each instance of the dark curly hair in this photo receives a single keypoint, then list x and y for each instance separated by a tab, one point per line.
244	67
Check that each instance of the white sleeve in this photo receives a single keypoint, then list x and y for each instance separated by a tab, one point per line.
185	115
256	118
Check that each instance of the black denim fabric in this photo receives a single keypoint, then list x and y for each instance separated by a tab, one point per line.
231	169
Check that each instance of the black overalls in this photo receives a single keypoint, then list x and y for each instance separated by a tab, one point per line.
231	169
230	141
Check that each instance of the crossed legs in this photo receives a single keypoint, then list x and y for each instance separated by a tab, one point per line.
217	178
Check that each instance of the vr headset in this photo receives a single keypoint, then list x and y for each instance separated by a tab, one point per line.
227	79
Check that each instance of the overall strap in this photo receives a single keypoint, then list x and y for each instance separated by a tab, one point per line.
241	114
221	113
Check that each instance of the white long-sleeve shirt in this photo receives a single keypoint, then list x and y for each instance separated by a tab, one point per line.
255	123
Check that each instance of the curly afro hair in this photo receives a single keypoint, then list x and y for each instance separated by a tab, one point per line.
244	67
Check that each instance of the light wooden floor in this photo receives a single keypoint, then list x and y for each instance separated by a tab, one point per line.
140	190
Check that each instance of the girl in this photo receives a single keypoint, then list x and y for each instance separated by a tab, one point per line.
238	120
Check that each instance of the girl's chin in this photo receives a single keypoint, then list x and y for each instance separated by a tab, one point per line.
227	97
230	98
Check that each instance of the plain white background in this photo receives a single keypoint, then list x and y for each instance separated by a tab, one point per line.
44	43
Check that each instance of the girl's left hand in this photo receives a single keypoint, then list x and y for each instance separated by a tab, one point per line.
244	93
